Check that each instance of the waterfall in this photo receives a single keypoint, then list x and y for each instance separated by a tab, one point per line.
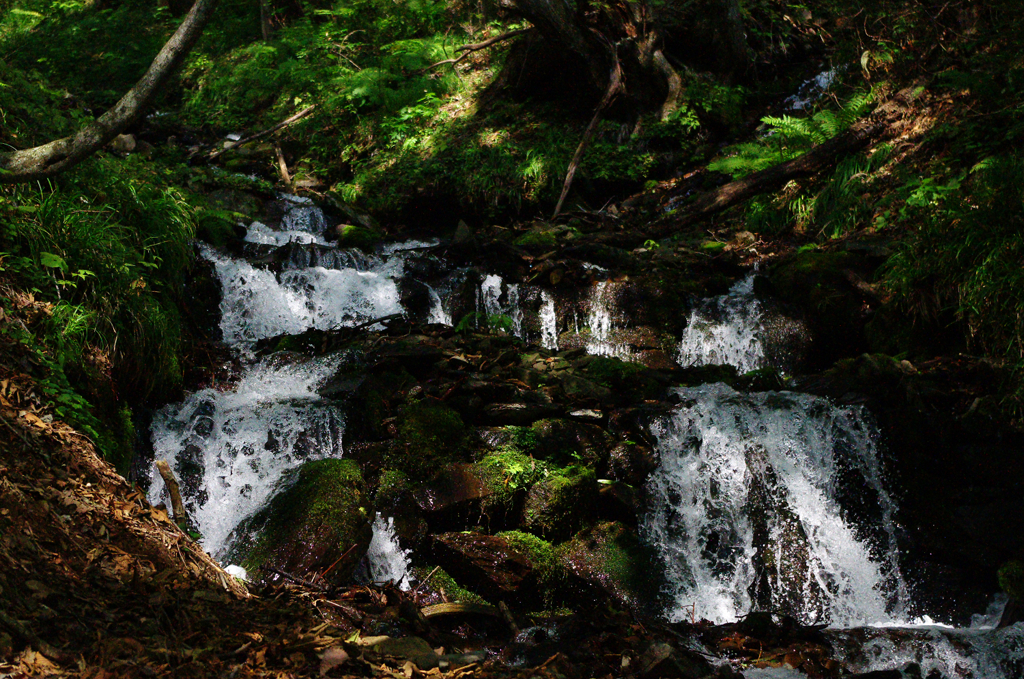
773	501
725	330
386	560
601	322
548	321
230	448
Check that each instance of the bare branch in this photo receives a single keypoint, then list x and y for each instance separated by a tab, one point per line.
259	135
56	156
476	47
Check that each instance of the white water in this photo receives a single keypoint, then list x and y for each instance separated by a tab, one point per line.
500	299
229	449
387	561
726	330
751	492
548	321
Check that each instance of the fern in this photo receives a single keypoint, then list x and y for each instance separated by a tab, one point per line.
790	137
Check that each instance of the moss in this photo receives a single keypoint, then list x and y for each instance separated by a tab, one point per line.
561	503
354	236
537	240
390	486
321	513
629	380
510	474
429	437
611	556
440	581
1011	580
543	556
218	227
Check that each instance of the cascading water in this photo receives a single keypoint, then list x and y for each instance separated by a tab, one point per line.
725	330
601	323
230	449
773	501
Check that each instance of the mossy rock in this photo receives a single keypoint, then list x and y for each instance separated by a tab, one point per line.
219	227
537	240
610	558
628	381
1011	580
370	405
321	514
430	436
549	572
561	503
509	475
357	236
565	441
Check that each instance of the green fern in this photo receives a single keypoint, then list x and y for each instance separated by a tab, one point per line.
790	137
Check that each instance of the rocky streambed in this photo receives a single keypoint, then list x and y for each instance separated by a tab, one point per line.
565	455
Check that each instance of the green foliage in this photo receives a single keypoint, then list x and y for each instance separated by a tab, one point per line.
551	574
442	582
964	253
789	137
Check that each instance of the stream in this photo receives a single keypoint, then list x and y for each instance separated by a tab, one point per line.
768	500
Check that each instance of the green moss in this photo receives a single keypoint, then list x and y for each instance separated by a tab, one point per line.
355	236
537	240
509	474
1011	580
218	227
543	556
390	486
561	503
321	512
441	581
429	437
612	556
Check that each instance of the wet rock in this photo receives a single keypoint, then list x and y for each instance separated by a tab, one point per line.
487	563
518	414
321	514
564	441
458	490
631	462
618	502
610	559
356	236
661	660
561	504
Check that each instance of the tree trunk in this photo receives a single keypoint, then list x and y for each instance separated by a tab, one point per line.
57	156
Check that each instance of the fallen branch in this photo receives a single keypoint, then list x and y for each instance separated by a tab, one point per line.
259	135
821	157
459	609
476	47
172	487
614	83
296	579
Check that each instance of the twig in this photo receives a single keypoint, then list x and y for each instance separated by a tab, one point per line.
476	47
614	83
296	579
172	488
338	560
259	135
425	580
375	321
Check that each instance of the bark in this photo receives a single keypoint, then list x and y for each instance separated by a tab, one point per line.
555	21
57	156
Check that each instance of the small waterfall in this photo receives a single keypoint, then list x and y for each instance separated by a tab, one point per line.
601	323
229	449
258	304
548	321
725	330
773	501
386	560
500	299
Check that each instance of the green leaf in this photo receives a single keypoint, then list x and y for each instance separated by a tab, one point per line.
52	261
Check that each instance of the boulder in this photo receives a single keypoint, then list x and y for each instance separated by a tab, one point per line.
487	564
321	514
561	504
609	560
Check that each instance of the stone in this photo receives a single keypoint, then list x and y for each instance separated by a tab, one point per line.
609	559
520	414
413	649
660	660
123	143
485	563
561	504
461	488
321	515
